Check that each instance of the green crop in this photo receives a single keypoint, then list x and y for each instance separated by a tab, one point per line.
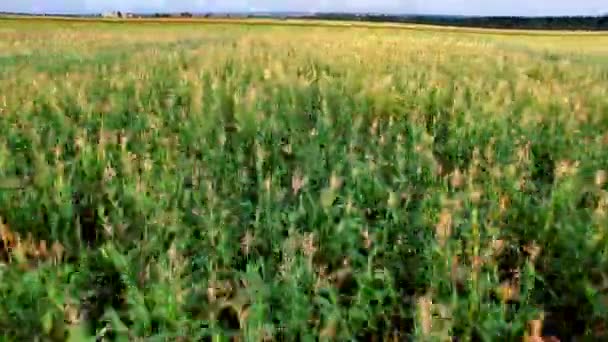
188	181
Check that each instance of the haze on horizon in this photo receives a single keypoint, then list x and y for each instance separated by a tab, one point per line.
441	7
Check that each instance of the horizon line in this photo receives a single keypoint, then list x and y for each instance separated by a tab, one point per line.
151	12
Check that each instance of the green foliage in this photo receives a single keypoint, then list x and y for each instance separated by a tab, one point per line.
291	184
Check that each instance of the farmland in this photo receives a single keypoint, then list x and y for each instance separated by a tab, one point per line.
188	181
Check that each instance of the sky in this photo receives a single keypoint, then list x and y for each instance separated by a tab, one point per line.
447	7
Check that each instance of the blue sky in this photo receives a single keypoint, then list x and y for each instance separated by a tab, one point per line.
464	7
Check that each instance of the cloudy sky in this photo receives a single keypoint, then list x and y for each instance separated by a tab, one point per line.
464	7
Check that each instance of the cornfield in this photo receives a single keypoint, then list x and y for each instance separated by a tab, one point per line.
275	182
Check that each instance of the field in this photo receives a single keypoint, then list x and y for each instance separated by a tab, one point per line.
189	181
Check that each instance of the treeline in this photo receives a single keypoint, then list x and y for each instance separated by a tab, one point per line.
590	23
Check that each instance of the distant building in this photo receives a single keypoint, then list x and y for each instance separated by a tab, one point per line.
117	14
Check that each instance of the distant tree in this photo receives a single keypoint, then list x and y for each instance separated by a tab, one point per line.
505	22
